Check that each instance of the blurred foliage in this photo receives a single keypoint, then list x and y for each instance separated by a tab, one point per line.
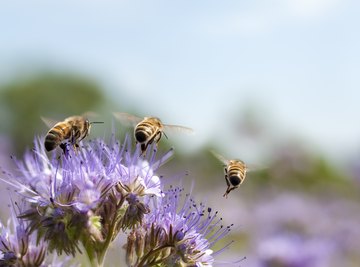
296	170
57	96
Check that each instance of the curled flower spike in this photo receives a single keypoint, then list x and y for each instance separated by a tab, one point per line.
176	234
87	196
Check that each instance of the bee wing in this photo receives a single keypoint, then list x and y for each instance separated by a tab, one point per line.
90	115
178	128
49	122
219	157
126	118
255	167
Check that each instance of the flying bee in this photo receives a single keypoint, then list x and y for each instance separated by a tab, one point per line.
148	130
235	172
73	129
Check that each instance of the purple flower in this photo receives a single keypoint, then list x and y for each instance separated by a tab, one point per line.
292	250
176	233
20	248
86	196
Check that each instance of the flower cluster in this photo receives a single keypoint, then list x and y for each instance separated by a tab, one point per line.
83	199
176	234
20	248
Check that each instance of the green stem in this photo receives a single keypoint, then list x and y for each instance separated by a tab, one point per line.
92	255
102	253
104	247
151	252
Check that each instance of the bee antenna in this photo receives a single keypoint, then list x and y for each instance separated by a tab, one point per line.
95	122
165	135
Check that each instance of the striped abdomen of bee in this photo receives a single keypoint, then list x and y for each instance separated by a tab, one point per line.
235	173
74	129
148	131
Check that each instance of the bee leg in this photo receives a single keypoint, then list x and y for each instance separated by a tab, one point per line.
158	137
226	178
226	193
64	148
72	137
76	147
143	147
228	190
227	183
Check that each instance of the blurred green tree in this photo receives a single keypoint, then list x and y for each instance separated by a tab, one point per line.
23	102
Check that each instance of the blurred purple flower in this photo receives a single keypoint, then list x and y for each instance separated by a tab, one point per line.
313	229
291	250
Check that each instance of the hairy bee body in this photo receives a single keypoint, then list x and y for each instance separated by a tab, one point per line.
147	131
235	173
74	129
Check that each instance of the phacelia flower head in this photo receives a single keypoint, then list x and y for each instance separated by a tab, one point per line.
81	199
88	195
20	248
176	233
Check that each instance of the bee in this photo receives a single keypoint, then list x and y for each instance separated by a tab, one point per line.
149	129
73	129
235	172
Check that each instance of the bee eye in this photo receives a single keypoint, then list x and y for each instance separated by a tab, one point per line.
235	180
140	136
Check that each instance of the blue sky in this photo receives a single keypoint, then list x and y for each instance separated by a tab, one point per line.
195	63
